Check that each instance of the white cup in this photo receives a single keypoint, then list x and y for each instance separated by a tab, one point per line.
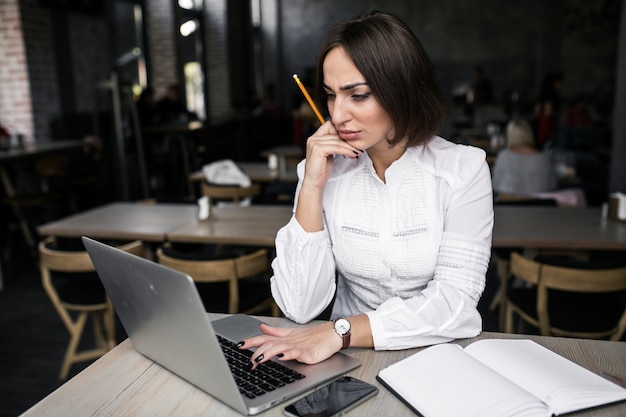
272	162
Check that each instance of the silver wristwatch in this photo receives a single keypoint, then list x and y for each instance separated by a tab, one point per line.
342	328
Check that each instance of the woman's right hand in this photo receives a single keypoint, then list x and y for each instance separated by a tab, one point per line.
320	149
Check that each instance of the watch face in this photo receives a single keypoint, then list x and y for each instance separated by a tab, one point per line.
342	326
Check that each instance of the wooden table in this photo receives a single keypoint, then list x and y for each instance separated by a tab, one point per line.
250	225
254	225
556	228
529	227
124	221
123	382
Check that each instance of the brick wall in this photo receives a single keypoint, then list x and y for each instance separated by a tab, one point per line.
89	43
37	30
15	104
218	77
159	21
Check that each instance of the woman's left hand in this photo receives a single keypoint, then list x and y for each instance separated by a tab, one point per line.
308	345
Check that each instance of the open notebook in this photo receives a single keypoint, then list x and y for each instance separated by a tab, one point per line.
496	378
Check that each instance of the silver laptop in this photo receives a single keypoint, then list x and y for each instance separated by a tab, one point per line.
165	320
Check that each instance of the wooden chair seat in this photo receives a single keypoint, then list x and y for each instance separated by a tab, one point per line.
70	281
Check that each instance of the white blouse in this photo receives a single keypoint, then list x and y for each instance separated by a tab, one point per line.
411	253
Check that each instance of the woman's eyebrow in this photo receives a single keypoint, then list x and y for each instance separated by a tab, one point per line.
348	86
353	85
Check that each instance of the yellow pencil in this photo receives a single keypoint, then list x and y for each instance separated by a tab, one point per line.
308	98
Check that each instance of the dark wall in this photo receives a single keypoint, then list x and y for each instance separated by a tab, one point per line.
517	43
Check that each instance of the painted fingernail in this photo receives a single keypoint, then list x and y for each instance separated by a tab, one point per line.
259	358
240	344
280	355
355	152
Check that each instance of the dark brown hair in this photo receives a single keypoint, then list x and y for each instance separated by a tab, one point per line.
397	70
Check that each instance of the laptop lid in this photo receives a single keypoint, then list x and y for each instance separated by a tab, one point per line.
165	320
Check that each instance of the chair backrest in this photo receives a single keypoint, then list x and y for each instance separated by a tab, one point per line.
525	269
234	193
583	280
572	279
55	260
75	261
229	270
579	280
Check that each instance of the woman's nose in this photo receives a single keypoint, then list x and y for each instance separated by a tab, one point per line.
339	112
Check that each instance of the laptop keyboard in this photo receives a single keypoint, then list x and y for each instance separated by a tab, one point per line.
265	378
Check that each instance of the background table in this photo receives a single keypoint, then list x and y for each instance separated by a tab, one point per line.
123	221
255	225
556	228
123	382
247	225
529	227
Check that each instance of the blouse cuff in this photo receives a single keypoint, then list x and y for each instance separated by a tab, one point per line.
302	235
378	330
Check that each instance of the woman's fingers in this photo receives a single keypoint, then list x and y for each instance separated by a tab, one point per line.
327	139
309	345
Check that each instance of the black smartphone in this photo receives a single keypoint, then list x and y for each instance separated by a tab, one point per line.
333	399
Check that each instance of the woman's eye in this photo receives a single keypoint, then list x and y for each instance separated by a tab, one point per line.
361	97
330	96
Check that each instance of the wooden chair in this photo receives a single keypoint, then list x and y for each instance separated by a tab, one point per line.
234	193
240	272
568	301
501	256
78	298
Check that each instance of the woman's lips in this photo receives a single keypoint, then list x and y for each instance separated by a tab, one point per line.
349	134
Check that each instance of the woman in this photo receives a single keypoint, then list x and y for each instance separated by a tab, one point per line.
401	217
520	169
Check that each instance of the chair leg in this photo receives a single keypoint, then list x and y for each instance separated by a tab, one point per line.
507	325
621	327
70	353
109	327
499	300
97	319
104	329
502	268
